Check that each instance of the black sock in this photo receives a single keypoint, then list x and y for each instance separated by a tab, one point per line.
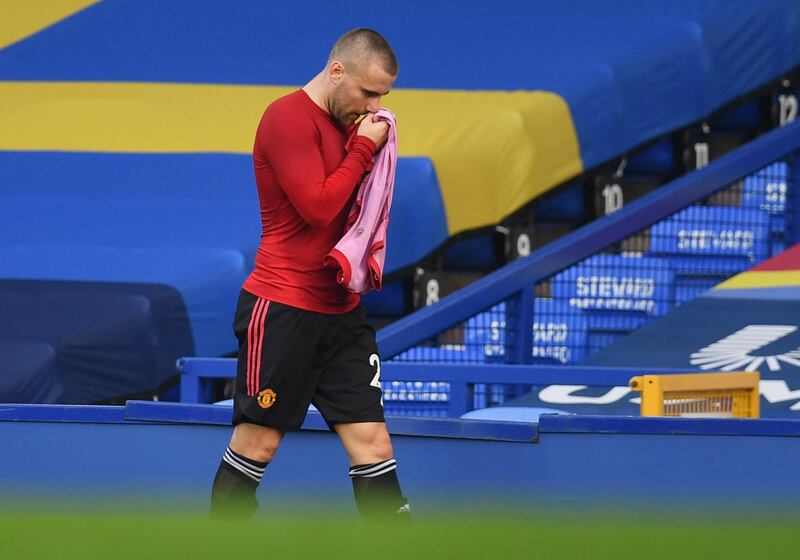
234	491
377	492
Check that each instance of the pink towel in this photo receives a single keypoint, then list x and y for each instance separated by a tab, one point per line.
360	254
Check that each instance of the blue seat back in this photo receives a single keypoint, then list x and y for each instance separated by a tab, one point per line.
618	293
712	239
558	334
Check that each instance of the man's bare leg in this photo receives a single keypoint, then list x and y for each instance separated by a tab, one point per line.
251	448
374	471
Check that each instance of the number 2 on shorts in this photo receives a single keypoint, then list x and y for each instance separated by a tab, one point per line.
374	360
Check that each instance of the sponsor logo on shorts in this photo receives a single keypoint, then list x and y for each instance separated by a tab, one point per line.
266	398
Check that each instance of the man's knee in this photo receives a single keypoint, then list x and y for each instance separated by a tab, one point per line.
382	445
366	442
259	443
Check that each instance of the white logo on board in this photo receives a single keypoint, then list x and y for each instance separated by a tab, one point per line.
735	351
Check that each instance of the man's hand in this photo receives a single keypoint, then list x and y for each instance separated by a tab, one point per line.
377	131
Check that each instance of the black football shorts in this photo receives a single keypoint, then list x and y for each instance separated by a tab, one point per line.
290	357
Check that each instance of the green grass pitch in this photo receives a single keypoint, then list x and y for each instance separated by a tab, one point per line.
140	535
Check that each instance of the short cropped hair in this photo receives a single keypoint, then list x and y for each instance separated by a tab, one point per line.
359	45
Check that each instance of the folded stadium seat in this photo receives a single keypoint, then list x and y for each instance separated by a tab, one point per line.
482	251
391	302
617	293
28	372
564	203
656	159
707	244
766	190
101	340
207	281
746	117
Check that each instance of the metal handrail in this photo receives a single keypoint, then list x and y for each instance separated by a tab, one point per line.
515	278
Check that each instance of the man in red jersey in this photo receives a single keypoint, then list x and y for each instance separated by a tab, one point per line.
303	337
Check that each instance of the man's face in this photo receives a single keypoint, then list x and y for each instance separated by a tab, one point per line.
360	92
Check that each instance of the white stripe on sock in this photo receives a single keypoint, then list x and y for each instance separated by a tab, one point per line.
374	470
244	472
373	465
243	461
364	469
250	470
376	473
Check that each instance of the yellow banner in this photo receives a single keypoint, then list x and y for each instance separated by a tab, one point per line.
493	151
22	18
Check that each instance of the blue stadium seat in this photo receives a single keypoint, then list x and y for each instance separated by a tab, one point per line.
28	372
707	244
559	333
745	118
617	293
559	336
486	333
186	222
712	240
389	302
474	253
565	204
654	160
417	199
85	342
442	354
190	271
766	190
416	398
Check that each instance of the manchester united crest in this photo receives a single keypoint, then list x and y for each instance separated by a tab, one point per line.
266	398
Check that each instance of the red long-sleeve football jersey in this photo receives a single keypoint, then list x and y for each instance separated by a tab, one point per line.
305	181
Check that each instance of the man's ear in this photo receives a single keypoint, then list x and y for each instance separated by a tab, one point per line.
336	72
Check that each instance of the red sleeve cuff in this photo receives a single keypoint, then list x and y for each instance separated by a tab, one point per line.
369	144
366	147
